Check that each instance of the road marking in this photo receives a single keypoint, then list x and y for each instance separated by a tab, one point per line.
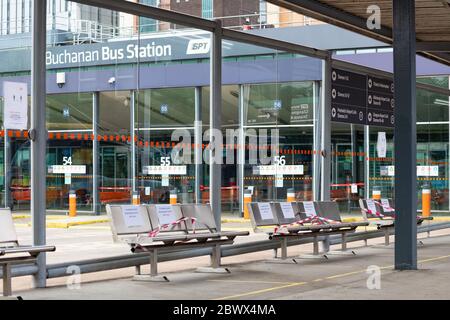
252	281
294	284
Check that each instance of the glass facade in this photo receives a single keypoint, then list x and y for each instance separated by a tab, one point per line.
118	113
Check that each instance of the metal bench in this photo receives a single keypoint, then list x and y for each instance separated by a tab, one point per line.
286	220
166	228
382	215
12	253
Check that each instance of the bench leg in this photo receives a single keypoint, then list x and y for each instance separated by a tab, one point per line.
215	266
343	251
7	278
137	270
283	248
386	236
153	276
316	254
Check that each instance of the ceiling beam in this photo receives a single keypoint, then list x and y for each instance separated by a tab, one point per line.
433	46
329	14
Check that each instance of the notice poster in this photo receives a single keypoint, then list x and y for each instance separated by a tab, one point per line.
265	210
165	213
288	211
132	216
310	210
385	204
371	206
15	111
381	145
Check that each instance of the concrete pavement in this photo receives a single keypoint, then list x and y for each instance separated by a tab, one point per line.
252	277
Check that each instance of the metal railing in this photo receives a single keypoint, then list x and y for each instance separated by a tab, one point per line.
132	260
78	31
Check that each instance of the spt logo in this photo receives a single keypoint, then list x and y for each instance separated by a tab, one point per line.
198	46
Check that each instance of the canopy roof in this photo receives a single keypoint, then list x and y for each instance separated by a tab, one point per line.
432	21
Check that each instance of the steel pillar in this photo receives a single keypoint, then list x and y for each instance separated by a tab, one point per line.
38	135
325	136
198	140
405	135
216	120
96	206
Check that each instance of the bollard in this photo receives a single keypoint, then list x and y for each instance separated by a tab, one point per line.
136	198
290	195
173	196
72	203
247	200
376	193
426	200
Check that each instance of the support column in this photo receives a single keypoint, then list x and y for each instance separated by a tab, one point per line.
198	140
325	136
7	169
216	120
241	151
133	141
316	143
95	156
405	135
366	162
39	135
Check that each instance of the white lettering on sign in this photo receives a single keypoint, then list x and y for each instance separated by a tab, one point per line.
132	216
198	46
422	171
278	170
265	210
75	169
427	171
108	54
165	213
288	211
15	110
310	210
165	170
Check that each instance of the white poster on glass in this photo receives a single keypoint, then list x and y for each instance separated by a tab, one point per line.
15	111
381	145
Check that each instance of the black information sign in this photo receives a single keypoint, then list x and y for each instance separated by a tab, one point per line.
361	99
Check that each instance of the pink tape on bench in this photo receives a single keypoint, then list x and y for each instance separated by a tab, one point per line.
155	232
313	220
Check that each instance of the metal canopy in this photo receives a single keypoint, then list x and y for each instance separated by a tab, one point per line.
432	21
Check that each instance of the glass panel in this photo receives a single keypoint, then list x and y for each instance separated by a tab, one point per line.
347	165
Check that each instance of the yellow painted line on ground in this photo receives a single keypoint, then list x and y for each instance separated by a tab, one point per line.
434	259
294	284
341	275
20	216
251	281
